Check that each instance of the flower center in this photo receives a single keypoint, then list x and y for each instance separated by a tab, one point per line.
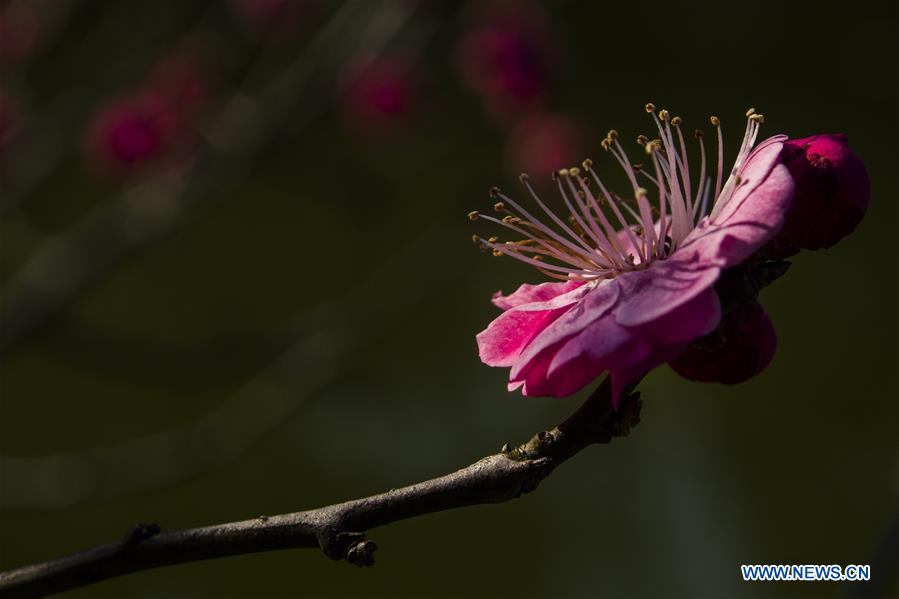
605	234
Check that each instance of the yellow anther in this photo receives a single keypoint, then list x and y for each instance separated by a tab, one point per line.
654	146
758	118
641	192
574	171
750	112
676	121
493	239
587	164
473	215
511	219
663	115
497	253
715	121
563	172
499	206
605	144
642	139
612	135
650	107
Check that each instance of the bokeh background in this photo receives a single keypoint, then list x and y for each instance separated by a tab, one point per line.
237	280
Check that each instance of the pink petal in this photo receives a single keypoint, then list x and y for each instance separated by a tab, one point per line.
527	293
568	366
647	295
693	319
596	303
504	339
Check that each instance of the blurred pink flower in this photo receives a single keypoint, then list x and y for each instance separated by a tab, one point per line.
742	349
130	132
543	144
379	94
507	58
631	296
267	17
832	193
20	30
181	81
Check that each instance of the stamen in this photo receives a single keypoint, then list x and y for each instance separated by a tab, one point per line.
586	244
717	123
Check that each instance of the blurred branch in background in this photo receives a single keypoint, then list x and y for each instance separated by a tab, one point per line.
153	209
315	358
338	530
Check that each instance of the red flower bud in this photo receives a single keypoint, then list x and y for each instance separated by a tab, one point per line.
741	348
832	192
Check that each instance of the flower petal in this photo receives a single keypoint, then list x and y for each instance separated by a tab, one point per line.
504	339
596	303
649	294
754	214
528	293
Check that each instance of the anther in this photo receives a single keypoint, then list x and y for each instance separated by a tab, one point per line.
642	139
750	112
612	135
473	215
605	144
524	178
587	164
676	121
663	115
574	171
494	191
499	206
698	134
493	239
637	167
641	192
715	121
497	253
650	107
563	172
757	118
511	220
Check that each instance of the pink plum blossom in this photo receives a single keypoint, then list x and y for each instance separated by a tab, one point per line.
130	132
507	58
543	143
379	94
635	278
742	348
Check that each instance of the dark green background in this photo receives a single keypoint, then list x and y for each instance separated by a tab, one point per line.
358	250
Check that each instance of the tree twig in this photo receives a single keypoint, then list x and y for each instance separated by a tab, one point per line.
339	530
